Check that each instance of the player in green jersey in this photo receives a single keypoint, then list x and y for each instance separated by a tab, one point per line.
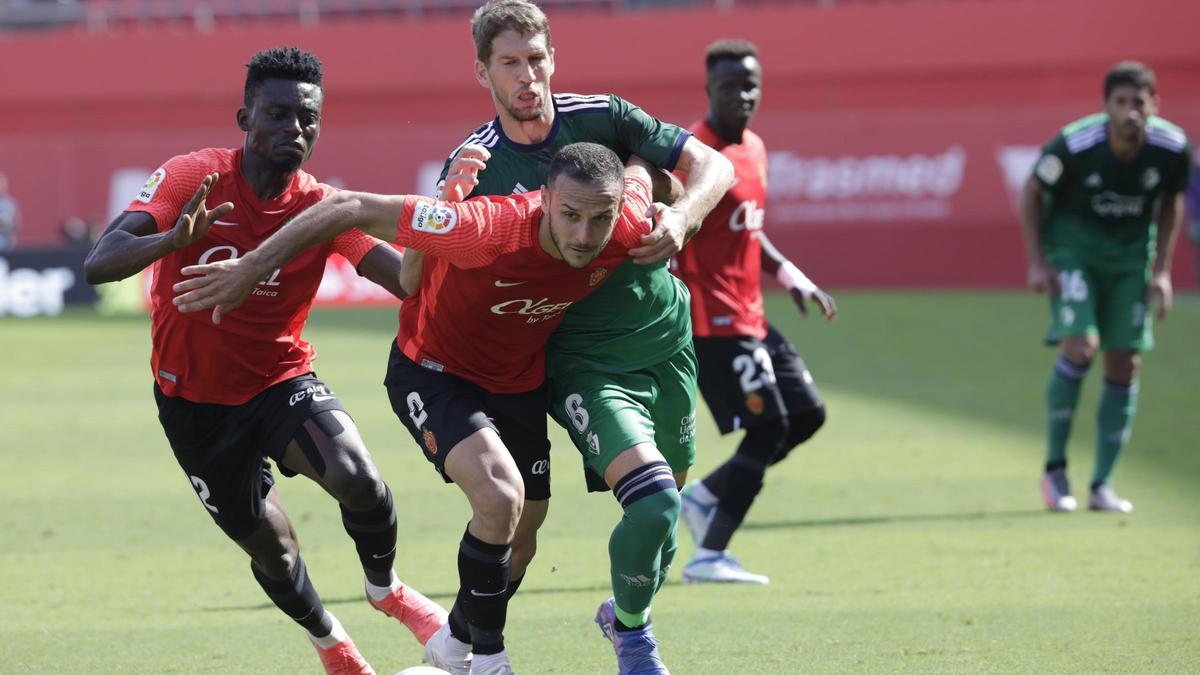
1089	218
623	376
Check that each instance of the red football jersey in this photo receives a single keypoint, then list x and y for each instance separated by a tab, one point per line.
490	296
721	265
258	344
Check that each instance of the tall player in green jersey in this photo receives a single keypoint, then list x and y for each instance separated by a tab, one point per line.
1088	216
623	375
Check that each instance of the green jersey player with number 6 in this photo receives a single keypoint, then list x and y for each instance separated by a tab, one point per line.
621	373
1100	216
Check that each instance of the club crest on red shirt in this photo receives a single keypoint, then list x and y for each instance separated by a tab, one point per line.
597	276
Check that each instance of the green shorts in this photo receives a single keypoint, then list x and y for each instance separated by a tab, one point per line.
1108	303
608	413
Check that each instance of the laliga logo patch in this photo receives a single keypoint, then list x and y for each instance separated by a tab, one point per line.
430	441
597	276
434	219
151	186
1049	169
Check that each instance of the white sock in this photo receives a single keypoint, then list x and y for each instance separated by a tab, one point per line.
702	552
485	662
378	593
702	494
335	636
457	649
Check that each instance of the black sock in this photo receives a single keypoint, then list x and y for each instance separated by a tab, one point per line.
1057	464
297	598
374	535
743	480
483	573
715	481
458	619
513	585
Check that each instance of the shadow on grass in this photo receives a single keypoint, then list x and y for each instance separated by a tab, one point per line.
907	518
444	597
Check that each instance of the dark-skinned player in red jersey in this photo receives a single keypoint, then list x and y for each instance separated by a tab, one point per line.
476	406
232	395
750	375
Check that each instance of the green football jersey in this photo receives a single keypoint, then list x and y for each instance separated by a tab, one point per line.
1101	208
640	316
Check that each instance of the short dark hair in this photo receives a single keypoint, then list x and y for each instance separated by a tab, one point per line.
281	63
497	16
588	163
728	49
1133	73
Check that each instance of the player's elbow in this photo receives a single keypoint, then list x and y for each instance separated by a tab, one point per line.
95	271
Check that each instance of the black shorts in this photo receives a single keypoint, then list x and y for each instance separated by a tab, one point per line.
223	449
440	410
745	380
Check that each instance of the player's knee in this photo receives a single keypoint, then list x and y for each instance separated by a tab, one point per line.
498	508
1080	350
277	561
804	425
655	513
1121	365
764	440
356	482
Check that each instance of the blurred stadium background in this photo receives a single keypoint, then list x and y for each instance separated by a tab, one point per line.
899	130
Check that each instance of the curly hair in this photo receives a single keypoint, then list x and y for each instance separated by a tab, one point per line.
281	63
728	49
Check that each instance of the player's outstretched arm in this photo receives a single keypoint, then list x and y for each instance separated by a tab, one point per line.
709	177
1042	277
222	286
384	265
131	242
801	288
1170	220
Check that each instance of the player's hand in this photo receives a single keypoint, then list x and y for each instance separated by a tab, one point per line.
667	237
463	173
220	286
196	219
1160	288
818	297
1043	278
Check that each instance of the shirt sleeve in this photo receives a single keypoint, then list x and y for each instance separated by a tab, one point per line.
466	234
1051	170
633	223
647	137
353	245
169	188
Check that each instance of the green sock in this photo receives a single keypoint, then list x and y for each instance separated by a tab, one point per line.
1062	395
635	550
1114	423
666	557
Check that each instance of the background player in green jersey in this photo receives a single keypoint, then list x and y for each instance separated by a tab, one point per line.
1088	217
623	375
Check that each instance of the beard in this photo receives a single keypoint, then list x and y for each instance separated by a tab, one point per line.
521	115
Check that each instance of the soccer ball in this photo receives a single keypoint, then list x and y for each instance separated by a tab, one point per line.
422	670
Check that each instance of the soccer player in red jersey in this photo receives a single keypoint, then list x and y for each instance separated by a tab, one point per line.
466	372
231	395
750	375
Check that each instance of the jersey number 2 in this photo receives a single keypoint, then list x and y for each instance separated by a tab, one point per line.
748	370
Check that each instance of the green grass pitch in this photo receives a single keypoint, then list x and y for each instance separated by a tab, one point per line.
908	536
